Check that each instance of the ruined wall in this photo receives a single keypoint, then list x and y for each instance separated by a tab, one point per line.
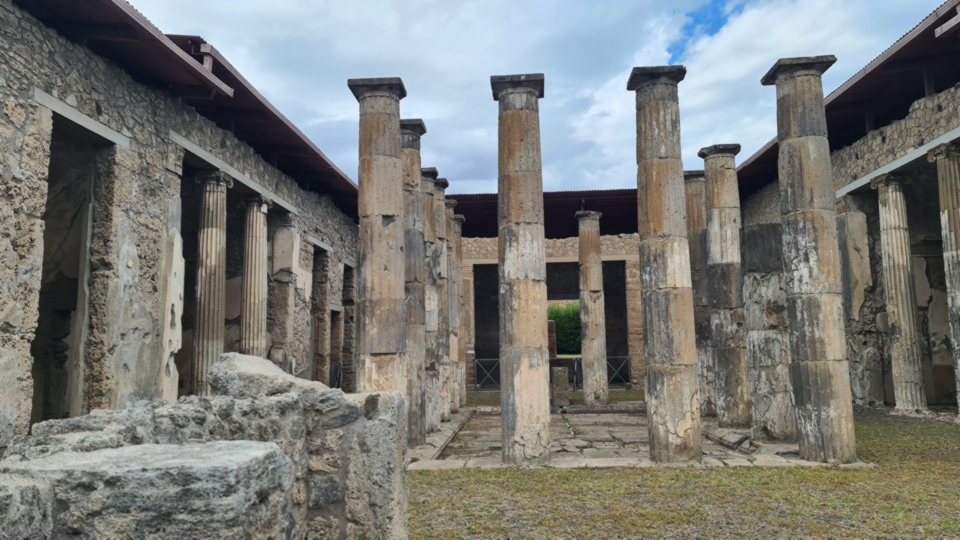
928	119
341	473
135	239
622	244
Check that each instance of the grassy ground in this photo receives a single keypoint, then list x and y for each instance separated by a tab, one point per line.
914	491
492	399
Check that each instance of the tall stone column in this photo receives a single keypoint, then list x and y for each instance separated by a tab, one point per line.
811	259
724	286
524	362
428	177
211	277
469	328
694	185
593	327
947	158
456	311
415	277
670	352
381	313
253	296
453	306
635	322
900	293
441	221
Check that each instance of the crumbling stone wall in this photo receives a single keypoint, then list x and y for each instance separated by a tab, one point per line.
136	226
627	245
344	454
928	119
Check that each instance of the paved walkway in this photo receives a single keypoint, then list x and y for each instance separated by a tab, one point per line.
594	441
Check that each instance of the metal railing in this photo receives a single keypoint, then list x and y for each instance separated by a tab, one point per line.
336	373
618	372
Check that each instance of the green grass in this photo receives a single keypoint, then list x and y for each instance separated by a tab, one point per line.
914	491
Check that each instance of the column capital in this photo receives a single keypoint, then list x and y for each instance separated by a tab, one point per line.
888	179
719	150
450	203
502	83
429	173
214	177
458	218
642	76
410	132
786	67
284	219
694	176
384	85
587	215
259	200
942	151
441	183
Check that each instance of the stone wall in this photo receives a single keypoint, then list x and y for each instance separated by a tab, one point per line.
928	119
627	245
135	232
326	464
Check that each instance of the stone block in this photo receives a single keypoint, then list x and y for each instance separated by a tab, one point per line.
723	235
658	133
559	389
665	263
236	488
521	252
240	375
817	332
382	180
761	248
811	260
724	285
380	127
673	413
523	314
765	303
824	411
727	328
382	263
854	261
809	183
591	277
661	199
414	254
415	302
519	147
26	507
669	328
734	406
381	326
382	372
800	111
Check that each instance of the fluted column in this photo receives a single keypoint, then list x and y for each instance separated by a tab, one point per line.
415	277
694	184
947	158
593	327
381	313
431	382
900	294
211	277
811	259
253	296
724	285
524	362
441	221
670	353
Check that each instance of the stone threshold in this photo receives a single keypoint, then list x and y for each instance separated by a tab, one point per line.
437	441
762	461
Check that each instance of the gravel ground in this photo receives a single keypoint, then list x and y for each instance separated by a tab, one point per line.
914	491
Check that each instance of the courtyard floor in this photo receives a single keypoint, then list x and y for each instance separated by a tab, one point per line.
914	489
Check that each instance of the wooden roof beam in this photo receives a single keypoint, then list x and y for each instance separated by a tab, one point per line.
949	26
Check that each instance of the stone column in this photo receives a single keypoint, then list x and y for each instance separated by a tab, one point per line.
694	182
635	322
820	370
443	295
282	292
524	362
593	327
670	352
900	293
253	296
415	277
456	309
453	308
431	382
947	158
381	314
469	329
724	287
348	359
211	277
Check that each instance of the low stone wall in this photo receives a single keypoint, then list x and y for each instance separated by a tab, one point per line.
324	465
485	249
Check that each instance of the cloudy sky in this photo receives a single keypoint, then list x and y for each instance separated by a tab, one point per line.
299	54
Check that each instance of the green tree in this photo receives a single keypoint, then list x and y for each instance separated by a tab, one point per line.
566	317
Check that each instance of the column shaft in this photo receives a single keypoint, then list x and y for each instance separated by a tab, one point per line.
415	277
524	362
458	396
348	359
381	310
211	278
593	327
469	329
820	370
634	294
724	287
900	294
253	296
947	159
670	354
431	303
694	185
443	297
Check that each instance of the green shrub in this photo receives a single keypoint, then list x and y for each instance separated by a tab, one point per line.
567	320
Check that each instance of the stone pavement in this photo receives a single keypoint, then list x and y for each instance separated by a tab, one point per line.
438	440
597	441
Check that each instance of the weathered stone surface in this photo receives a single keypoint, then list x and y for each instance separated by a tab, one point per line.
26	507
771	390
559	389
158	491
854	261
242	375
763	248
253	318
